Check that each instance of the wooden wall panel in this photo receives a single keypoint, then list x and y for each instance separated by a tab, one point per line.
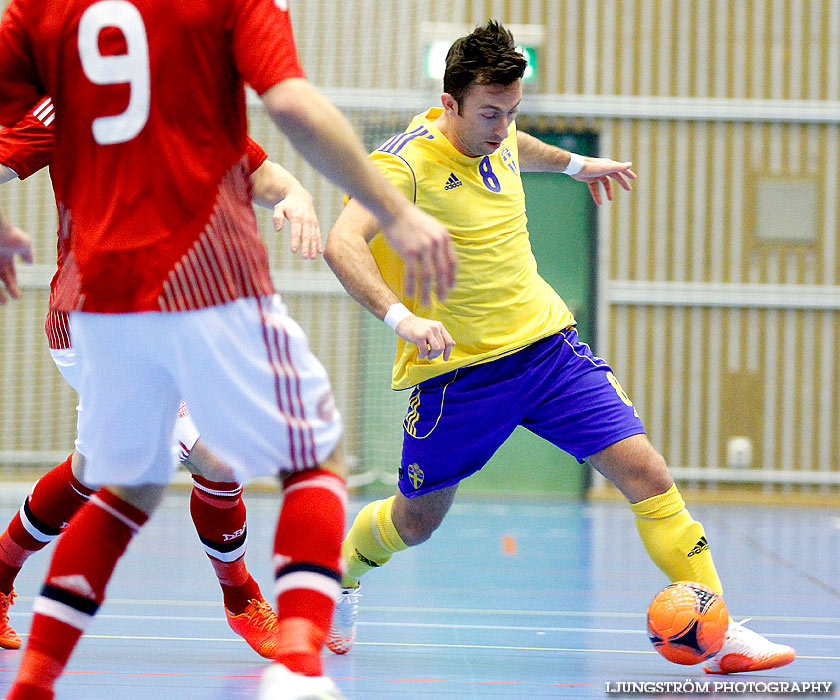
700	370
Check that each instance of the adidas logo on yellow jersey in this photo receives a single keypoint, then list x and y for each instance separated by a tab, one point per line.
452	182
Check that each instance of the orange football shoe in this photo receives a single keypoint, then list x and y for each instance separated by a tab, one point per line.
257	625
9	639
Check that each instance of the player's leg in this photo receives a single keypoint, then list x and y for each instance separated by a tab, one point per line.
125	433
383	528
75	584
589	415
307	555
286	424
47	510
219	515
584	410
380	530
454	425
674	540
677	544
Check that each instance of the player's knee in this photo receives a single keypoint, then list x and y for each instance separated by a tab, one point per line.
415	533
415	519
145	497
650	476
653	466
202	462
415	528
641	475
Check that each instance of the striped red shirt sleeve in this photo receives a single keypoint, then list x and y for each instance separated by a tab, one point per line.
28	146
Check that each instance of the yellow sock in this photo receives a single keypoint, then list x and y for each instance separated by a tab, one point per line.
371	542
674	540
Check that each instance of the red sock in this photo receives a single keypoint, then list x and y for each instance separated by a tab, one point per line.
307	558
219	517
47	510
81	566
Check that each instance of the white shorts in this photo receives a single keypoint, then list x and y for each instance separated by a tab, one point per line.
186	434
261	399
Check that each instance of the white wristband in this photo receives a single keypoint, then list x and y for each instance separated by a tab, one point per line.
575	164
396	313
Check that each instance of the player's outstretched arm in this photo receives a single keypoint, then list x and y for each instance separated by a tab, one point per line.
276	188
13	242
325	138
538	156
348	255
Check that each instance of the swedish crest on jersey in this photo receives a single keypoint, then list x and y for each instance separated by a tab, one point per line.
508	159
415	475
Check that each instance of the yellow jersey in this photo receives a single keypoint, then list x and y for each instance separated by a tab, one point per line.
499	303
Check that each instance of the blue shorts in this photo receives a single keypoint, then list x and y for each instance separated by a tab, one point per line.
555	387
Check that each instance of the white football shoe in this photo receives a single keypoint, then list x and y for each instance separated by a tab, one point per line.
342	632
745	650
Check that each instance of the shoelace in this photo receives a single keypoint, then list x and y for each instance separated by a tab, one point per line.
739	626
261	614
349	600
748	636
6	600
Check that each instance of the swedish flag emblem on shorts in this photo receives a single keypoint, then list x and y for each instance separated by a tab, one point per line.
415	475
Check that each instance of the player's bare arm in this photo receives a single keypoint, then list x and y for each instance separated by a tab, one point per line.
276	188
13	242
348	255
320	132
538	156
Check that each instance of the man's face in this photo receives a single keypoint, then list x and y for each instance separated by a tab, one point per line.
485	115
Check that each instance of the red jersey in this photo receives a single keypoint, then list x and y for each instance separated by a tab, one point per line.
26	148
148	166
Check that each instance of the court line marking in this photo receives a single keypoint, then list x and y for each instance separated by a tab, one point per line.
564	649
460	611
431	625
413	645
335	678
596	630
569	613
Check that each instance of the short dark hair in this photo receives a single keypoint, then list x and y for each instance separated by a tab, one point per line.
487	56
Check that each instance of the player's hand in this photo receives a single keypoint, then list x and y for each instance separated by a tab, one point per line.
424	245
13	242
597	171
430	337
304	229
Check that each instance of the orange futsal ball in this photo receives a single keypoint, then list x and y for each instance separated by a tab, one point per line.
687	622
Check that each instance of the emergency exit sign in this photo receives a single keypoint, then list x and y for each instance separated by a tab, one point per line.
436	51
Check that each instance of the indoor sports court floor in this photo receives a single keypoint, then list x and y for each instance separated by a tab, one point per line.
508	600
